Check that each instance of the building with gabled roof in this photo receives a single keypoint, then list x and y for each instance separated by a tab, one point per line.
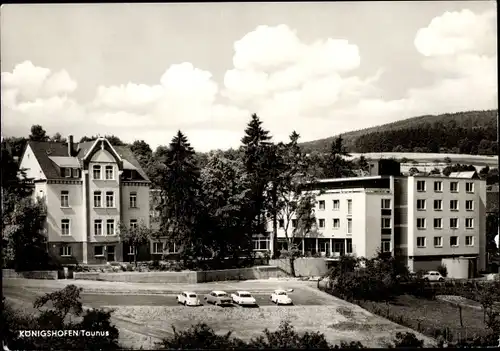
88	188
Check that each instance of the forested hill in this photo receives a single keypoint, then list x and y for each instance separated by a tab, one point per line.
472	132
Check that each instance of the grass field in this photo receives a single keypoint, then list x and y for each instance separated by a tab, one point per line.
426	316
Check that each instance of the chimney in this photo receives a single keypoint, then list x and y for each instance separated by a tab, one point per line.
70	145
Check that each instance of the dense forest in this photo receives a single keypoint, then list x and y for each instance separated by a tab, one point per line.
472	132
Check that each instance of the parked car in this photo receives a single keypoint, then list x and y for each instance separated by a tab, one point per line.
188	298
280	297
218	298
243	298
433	276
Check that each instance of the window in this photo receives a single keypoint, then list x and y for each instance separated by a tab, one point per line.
65	224
420	185
133	223
438	186
110	199
438	241
438	223
98	227
421	223
133	200
171	248
386	223
64	198
386	204
349	226
454	205
421	241
281	223
453	223
65	251
386	246
469	187
131	250
109	172
469	223
349	207
348	246
260	243
96	172
453	240
336	223
67	172
454	187
421	204
76	173
97	199
294	223
157	247
98	251
469	240
321	204
438	205
110	227
336	205
321	223
469	205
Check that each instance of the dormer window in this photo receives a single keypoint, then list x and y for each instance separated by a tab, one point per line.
66	172
76	173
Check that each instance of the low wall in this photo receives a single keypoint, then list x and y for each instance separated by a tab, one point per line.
184	277
264	272
141	277
304	266
11	273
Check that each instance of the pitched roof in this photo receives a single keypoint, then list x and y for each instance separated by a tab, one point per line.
464	175
52	155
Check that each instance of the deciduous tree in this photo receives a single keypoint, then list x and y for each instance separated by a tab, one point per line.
136	236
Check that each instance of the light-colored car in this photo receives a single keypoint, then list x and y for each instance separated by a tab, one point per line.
188	298
433	276
280	297
243	298
218	297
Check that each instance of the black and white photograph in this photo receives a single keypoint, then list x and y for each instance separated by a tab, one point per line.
250	175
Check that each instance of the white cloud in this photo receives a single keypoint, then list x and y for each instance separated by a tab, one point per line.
28	82
272	59
458	32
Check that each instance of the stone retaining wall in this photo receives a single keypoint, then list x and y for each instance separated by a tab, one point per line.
11	273
304	266
187	277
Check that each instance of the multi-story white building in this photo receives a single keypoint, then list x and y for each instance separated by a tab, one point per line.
421	219
353	216
89	188
440	218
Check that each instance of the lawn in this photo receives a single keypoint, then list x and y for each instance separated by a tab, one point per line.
427	316
338	323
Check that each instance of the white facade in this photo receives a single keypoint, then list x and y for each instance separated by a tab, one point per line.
452	221
425	219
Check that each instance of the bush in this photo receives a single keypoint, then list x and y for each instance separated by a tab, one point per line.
64	301
407	339
201	336
443	270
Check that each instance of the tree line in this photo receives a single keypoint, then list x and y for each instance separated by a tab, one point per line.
471	132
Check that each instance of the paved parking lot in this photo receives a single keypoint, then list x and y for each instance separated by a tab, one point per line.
300	297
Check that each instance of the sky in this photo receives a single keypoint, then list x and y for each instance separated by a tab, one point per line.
145	71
